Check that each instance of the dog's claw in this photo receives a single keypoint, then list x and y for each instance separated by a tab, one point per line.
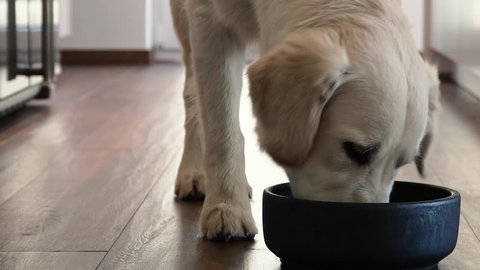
190	189
229	237
194	196
226	222
249	235
223	237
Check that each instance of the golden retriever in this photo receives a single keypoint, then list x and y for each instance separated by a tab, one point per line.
341	95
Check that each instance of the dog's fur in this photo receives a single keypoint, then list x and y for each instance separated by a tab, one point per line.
340	93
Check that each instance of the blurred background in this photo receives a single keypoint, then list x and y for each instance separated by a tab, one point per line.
99	32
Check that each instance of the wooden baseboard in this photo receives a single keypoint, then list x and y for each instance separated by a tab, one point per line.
446	67
467	77
77	57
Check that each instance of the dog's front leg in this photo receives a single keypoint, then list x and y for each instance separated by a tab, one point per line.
218	61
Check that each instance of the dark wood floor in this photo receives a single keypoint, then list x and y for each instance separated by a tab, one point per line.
86	179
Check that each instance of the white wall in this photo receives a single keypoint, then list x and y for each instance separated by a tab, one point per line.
141	24
415	11
456	30
456	34
64	17
109	25
165	34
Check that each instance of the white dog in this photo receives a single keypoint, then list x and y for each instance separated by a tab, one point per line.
340	93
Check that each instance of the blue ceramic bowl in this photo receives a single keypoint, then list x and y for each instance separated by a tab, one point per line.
415	231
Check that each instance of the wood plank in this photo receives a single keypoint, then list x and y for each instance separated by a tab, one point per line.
82	91
33	137
16	122
50	260
457	146
25	156
72	87
137	124
89	195
16	171
81	205
110	57
466	256
81	107
164	235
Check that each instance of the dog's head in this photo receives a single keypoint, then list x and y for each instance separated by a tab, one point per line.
341	122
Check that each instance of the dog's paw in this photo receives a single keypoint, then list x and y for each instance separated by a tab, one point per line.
228	221
190	186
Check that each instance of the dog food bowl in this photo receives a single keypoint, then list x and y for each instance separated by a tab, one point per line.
415	231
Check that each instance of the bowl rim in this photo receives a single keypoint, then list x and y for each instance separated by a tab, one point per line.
454	195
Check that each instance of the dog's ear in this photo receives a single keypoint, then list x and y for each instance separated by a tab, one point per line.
289	87
433	105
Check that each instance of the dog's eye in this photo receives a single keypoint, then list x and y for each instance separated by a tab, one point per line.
358	153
